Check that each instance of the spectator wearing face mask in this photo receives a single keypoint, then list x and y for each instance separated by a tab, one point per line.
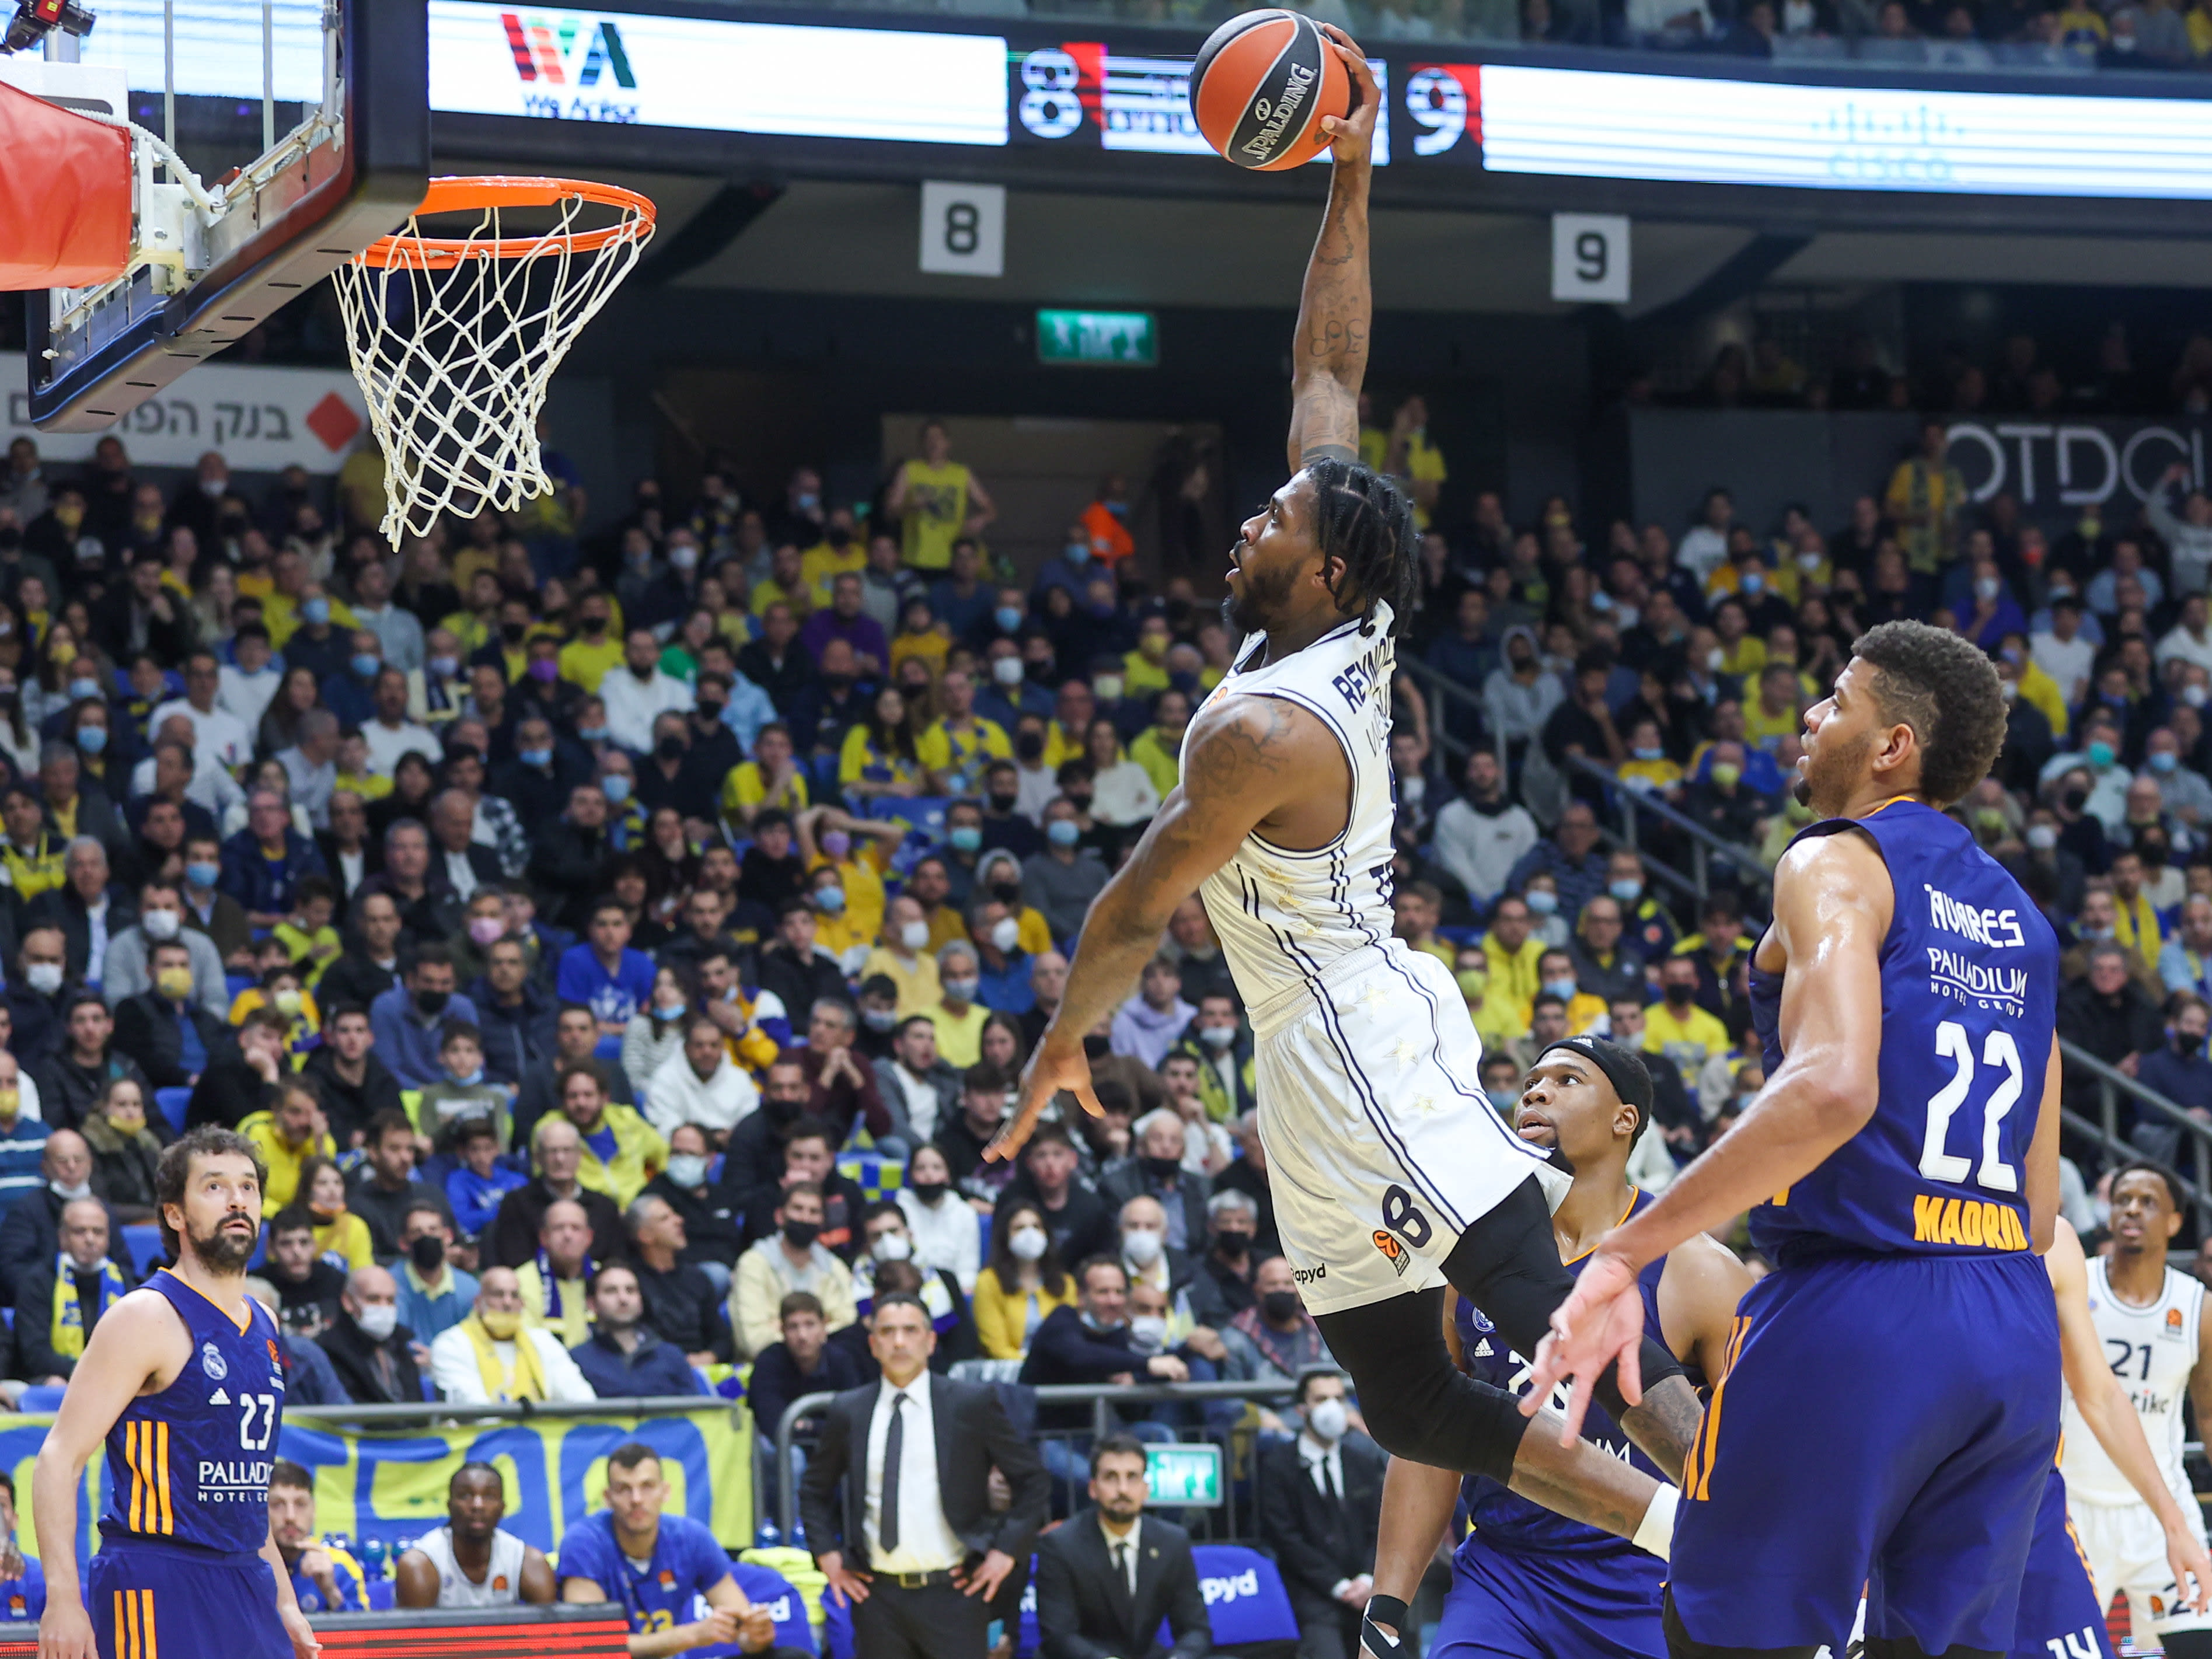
1322	1508
126	972
2178	1069
903	956
892	1265
1062	881
435	1294
1275	1338
375	1357
1180	1309
792	1258
1676	1026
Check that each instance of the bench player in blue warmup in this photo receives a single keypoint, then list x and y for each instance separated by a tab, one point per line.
670	1576
1528	1583
182	1382
1903	1159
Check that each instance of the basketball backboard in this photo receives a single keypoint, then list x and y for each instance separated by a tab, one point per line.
350	160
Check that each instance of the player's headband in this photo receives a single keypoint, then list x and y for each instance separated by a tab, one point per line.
1623	1067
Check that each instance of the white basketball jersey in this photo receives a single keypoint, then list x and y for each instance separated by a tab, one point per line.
2152	1351
1284	917
503	1584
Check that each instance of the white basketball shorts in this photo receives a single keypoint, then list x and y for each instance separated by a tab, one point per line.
1382	1147
2126	1548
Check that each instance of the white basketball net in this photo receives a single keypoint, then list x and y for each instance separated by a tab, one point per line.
454	354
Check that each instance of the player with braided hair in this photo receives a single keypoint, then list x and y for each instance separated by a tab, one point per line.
1390	1172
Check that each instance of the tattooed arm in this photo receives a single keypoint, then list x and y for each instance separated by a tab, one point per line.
1245	761
1329	355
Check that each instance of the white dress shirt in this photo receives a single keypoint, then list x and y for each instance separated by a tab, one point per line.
926	1541
1128	1545
95	964
463	875
1314	1455
1323	1463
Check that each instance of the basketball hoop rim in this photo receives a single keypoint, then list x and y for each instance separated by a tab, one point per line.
487	191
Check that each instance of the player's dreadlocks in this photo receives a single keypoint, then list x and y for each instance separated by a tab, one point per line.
1364	519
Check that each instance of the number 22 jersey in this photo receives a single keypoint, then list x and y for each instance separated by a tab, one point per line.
190	1465
1969	1001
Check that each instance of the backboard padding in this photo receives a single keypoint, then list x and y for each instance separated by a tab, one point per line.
319	210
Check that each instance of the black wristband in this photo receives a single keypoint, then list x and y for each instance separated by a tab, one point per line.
1392	1612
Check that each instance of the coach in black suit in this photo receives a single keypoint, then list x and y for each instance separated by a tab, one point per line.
1321	1504
1107	1579
896	1498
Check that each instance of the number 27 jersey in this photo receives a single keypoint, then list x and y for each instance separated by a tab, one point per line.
190	1465
1969	999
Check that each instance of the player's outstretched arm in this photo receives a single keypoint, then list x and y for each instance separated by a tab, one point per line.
1328	353
1833	900
2111	1416
136	1340
1242	759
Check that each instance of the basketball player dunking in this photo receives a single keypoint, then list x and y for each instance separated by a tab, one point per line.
181	1379
1903	1161
1390	1172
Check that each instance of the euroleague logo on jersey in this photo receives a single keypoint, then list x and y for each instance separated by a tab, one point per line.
1392	1252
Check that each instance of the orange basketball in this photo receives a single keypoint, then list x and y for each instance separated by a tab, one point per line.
1260	86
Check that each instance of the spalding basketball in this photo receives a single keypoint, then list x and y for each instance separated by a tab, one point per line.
1261	85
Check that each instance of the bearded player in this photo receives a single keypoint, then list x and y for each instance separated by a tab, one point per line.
182	1380
1390	1173
1903	1159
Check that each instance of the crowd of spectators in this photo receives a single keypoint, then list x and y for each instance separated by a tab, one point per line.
2110	375
623	947
1682	659
569	921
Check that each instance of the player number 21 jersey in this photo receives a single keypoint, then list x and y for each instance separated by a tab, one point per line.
1969	999
1285	916
190	1465
2151	1350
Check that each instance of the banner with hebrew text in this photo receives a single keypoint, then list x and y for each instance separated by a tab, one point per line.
390	1485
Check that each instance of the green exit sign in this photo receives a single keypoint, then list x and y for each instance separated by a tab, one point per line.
1124	339
1183	1476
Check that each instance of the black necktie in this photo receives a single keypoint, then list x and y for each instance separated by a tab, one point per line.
1121	1566
1328	1482
887	1526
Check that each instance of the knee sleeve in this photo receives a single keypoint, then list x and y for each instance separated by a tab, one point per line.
1416	1403
1507	1263
1680	1644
